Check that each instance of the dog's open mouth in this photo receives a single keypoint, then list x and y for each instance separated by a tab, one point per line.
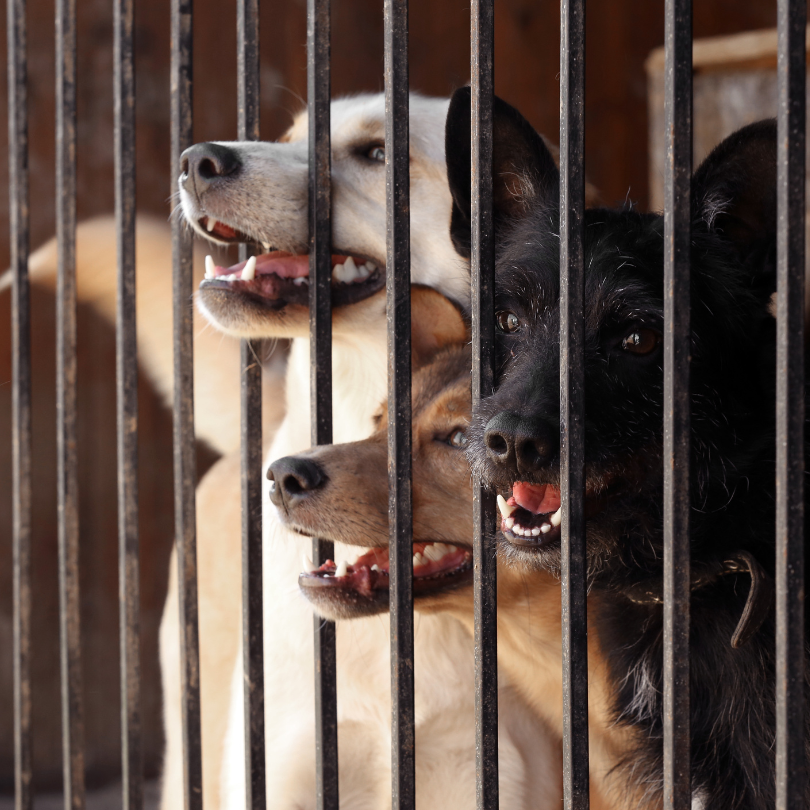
532	514
278	278
436	567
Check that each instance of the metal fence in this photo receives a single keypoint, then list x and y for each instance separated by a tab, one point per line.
790	755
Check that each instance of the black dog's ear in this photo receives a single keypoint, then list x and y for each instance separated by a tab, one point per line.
734	190
523	169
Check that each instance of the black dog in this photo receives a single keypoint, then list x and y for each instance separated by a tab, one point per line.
514	443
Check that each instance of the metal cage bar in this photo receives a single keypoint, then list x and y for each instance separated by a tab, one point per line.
66	421
398	306
185	473
20	397
572	405
791	776
482	277
247	77
320	336
677	422
126	356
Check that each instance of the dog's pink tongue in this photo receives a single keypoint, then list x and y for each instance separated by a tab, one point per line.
540	499
278	263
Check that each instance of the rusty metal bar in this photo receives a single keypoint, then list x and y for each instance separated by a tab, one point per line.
398	304
482	277
677	421
16	33
247	77
66	422
127	407
572	405
791	769
320	336
185	472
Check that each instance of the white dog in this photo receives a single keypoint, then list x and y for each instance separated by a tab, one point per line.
258	192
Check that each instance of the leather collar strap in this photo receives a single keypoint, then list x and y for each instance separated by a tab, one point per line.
757	606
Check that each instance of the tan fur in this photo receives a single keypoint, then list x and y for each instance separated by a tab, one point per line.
353	509
216	356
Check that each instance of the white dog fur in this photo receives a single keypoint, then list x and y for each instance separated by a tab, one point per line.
269	202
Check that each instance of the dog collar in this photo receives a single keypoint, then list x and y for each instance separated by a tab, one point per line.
757	606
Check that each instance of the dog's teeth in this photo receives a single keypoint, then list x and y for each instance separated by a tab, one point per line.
504	507
509	522
350	270
556	518
418	559
545	528
375	567
249	271
300	280
266	245
536	531
363	272
431	554
517	529
210	267
371	267
338	273
342	569
307	563
211	224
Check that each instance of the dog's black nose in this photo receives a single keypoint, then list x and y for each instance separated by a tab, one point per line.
295	479
525	445
204	164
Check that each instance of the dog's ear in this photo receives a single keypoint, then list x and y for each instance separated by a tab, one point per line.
734	190
523	168
436	322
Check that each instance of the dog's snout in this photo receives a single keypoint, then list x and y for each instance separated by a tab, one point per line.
525	445
295	479
203	164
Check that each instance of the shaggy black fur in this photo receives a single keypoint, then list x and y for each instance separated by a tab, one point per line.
733	427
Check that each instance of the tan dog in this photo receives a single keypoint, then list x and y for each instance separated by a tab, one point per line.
216	358
339	492
258	192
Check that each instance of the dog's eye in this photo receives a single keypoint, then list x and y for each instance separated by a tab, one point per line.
507	321
376	153
641	341
458	438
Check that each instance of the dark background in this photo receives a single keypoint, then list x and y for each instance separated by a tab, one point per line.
620	35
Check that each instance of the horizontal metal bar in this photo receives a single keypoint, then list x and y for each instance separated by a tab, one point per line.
677	419
791	768
482	278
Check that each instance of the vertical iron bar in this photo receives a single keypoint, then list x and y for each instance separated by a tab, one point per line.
791	777
66	438
398	305
320	336
127	408
185	473
247	78
572	405
482	277
677	351
20	395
